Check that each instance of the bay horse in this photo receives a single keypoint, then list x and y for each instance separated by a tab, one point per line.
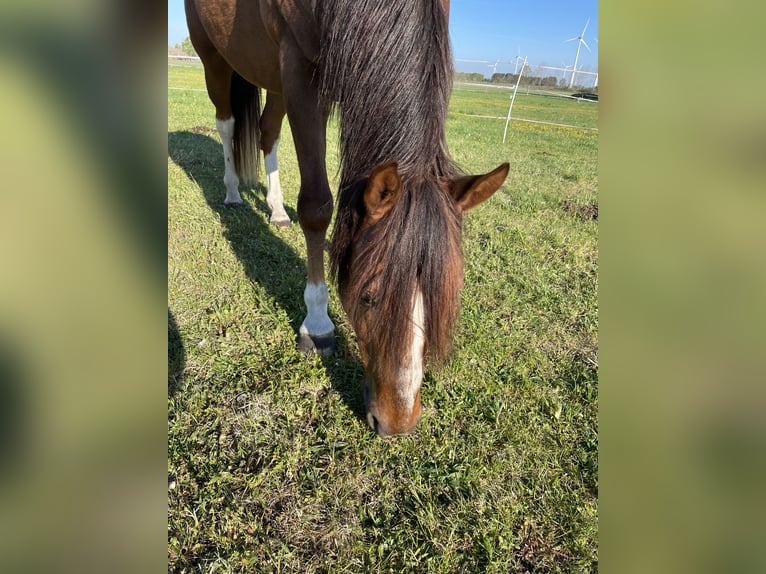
396	244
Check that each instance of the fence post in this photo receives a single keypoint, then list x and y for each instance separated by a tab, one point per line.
513	97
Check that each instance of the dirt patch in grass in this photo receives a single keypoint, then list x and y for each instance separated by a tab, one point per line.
205	130
585	211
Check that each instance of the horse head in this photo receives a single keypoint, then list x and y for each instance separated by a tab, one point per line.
397	255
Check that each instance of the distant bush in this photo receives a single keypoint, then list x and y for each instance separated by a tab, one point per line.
187	47
469	77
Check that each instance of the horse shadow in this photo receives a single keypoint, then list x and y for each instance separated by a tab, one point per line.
266	258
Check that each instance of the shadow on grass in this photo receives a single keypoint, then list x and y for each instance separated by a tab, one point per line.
267	259
176	356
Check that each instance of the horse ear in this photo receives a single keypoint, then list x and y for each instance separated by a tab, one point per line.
470	190
383	189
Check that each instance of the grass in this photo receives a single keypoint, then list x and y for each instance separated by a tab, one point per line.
487	101
271	467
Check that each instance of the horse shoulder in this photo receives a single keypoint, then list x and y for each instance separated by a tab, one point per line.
299	18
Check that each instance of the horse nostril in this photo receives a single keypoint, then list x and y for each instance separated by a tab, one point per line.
375	423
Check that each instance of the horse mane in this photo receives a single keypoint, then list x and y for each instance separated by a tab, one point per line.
415	246
388	66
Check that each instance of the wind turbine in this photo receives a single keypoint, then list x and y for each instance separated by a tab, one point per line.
595	84
518	59
564	70
580	42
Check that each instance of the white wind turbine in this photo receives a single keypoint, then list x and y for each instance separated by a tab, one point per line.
518	59
595	85
580	42
564	70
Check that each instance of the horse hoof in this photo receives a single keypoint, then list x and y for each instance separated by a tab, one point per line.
233	202
281	222
321	345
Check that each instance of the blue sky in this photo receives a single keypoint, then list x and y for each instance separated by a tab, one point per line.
497	30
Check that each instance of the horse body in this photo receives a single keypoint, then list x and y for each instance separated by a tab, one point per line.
396	243
228	30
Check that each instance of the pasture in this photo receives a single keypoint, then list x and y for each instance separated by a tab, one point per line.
271	465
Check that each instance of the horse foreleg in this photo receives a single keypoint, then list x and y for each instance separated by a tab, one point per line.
317	332
308	122
271	125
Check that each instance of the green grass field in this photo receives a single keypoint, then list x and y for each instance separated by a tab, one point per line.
471	99
271	466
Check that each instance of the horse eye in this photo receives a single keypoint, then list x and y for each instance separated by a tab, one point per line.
368	299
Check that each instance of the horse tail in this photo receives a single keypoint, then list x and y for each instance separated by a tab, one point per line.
245	145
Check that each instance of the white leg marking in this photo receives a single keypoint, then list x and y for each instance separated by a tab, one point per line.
411	376
274	189
317	321
230	179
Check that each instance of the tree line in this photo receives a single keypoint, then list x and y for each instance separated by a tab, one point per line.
527	79
186	47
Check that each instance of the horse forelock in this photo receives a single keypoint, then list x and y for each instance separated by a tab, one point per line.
414	248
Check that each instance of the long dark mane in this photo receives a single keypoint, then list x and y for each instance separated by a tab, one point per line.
388	64
389	67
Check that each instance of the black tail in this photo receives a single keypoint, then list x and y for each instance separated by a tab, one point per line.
246	107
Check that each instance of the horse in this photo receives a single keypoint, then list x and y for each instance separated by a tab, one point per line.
395	249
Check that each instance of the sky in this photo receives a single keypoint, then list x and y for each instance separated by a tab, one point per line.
497	30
